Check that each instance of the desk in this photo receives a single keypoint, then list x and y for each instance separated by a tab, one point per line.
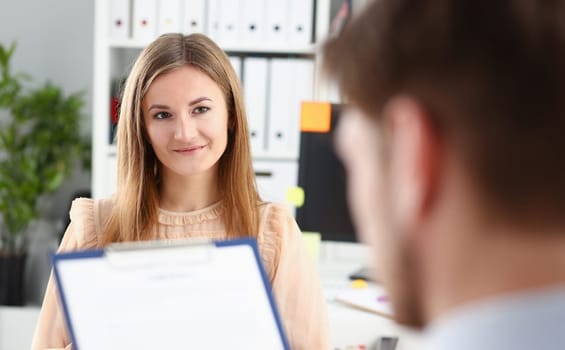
350	326
347	325
17	325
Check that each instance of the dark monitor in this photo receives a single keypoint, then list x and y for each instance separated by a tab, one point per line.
322	177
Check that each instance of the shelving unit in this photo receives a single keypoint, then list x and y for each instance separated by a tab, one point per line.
264	49
114	56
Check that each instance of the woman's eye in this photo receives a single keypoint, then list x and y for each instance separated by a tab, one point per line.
162	115
201	109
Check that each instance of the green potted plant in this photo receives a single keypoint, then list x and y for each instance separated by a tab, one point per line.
39	142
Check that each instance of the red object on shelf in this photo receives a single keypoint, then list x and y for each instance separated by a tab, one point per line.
114	105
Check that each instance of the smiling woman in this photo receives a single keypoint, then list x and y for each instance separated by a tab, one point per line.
184	170
186	118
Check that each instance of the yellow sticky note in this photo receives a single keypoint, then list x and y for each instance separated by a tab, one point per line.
358	284
312	242
295	196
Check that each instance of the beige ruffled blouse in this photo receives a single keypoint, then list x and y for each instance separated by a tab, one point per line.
290	269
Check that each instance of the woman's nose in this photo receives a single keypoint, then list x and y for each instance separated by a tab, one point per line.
185	129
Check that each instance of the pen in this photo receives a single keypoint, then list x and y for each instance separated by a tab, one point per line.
382	298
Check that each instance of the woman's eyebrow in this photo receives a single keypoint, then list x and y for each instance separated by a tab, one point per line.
157	106
199	99
191	103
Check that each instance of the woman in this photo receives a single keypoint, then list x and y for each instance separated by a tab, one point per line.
184	170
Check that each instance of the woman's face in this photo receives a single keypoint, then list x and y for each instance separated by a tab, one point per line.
186	119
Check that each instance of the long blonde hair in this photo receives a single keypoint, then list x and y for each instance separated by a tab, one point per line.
136	202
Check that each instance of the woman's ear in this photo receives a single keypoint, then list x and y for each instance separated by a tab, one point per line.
415	155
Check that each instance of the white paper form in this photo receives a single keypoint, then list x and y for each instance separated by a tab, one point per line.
189	297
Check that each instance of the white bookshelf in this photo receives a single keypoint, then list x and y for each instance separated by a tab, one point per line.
244	48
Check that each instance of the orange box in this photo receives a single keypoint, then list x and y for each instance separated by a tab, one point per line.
316	117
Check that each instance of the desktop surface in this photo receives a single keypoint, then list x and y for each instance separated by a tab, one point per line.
350	326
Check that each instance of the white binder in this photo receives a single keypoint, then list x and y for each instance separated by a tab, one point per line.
169	16
167	295
291	83
252	23
300	27
194	16
277	22
213	19
255	80
144	20
229	22
236	64
119	19
275	178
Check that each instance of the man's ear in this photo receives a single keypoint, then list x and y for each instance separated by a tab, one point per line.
415	156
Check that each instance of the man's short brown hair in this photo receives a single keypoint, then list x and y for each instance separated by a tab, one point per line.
492	76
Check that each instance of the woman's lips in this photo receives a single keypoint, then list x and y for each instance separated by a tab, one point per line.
189	149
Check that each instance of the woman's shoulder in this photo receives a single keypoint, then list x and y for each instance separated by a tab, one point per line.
274	216
88	207
88	217
275	226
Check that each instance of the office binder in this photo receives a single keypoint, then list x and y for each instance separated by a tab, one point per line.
169	16
252	29
236	64
169	294
213	19
291	83
255	80
275	178
194	16
119	19
300	26
229	22
277	22
144	20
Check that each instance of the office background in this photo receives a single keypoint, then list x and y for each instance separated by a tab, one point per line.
55	42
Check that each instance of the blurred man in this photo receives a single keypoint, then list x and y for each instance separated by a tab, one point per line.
454	146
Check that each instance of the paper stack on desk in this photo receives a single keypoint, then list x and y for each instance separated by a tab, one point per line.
372	298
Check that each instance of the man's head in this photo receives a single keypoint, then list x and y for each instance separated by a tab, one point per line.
456	104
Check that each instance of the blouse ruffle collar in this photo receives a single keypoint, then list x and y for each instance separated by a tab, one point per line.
192	217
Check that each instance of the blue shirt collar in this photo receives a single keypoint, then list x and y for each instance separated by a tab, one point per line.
523	321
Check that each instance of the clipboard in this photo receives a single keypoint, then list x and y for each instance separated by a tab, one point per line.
169	295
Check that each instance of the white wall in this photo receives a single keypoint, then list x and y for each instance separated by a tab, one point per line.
54	43
54	38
